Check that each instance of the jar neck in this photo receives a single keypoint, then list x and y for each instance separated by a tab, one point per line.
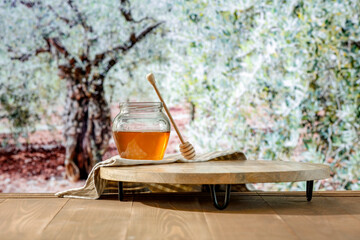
141	107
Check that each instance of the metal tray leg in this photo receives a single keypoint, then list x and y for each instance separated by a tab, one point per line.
121	191
214	198
309	190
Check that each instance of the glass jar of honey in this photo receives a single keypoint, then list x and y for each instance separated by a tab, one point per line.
141	130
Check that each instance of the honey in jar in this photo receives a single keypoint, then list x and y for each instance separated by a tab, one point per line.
141	145
141	130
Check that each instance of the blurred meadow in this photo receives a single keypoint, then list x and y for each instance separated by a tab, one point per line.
279	80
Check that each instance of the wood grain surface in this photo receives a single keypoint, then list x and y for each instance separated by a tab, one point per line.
354	202
179	219
27	218
254	215
26	195
90	219
218	172
320	219
252	218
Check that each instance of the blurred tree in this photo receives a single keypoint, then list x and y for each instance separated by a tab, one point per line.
85	39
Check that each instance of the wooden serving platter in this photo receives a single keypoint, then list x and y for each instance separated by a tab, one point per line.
218	172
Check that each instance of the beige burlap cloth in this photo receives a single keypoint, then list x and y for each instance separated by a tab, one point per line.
95	186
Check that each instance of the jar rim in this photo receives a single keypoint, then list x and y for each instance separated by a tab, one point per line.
140	104
141	107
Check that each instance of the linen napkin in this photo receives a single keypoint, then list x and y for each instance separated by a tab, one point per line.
95	186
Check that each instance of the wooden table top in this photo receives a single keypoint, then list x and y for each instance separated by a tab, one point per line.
218	172
254	215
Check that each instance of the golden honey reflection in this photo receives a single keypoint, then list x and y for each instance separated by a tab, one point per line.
141	145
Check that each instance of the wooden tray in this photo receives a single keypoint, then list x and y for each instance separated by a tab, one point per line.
219	172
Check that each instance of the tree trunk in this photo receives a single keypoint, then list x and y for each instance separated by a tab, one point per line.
87	127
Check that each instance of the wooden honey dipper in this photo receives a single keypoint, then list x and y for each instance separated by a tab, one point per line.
186	149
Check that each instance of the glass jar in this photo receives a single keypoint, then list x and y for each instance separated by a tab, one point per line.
141	130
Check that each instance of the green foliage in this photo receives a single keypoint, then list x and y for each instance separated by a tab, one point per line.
28	94
15	97
278	80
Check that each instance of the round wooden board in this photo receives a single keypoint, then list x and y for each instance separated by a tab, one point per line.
218	172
